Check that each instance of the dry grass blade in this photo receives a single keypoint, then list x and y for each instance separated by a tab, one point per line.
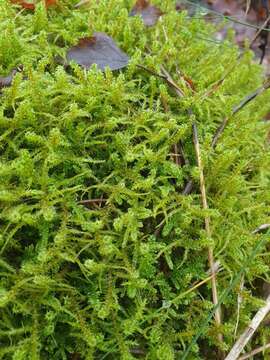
239	302
250	330
254	352
81	3
248	7
261	228
197	284
208	229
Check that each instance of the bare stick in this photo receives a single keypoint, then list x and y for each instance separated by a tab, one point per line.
208	229
254	352
250	330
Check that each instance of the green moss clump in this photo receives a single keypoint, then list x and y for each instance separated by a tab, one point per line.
100	281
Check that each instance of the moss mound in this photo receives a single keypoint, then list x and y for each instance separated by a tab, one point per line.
100	250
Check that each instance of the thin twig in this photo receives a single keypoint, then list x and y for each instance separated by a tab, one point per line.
229	18
208	229
261	29
164	76
92	201
236	109
250	330
171	82
152	72
254	352
218	83
189	186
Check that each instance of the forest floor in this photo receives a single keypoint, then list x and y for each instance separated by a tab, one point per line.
247	18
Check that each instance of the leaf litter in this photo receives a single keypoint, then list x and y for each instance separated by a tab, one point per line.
100	49
148	12
30	5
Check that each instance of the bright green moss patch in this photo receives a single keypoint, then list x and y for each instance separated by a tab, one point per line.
100	282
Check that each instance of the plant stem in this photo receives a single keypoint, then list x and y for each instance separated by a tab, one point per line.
207	229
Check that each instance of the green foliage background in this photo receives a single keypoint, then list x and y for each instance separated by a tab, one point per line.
97	282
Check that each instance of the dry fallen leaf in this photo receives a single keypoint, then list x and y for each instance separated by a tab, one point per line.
100	49
149	13
32	6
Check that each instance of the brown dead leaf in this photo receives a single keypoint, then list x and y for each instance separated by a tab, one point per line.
149	13
100	49
32	6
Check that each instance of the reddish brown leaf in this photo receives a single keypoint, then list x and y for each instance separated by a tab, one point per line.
24	4
32	6
149	13
100	49
50	2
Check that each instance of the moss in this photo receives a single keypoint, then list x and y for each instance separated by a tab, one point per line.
96	281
